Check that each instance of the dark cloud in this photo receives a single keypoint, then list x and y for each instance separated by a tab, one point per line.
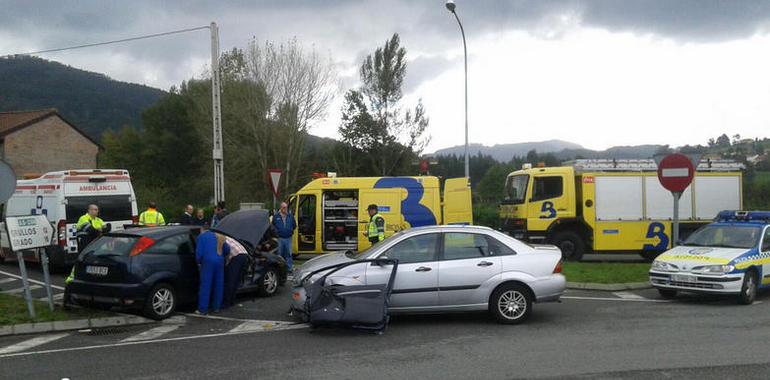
349	30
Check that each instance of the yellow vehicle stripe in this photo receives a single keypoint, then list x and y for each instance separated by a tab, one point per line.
695	259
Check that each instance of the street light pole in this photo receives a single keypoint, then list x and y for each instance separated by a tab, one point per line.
450	5
216	112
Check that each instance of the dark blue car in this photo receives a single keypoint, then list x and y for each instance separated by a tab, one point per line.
154	269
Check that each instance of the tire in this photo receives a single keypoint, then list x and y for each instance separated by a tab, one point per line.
650	256
667	293
749	288
268	285
571	245
511	304
161	302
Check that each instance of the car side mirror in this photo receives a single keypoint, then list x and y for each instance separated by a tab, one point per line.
382	261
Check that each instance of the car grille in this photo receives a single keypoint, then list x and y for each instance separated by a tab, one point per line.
696	285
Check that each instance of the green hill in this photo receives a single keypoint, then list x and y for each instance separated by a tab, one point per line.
92	101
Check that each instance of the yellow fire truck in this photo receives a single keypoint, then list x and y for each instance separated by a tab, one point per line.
612	205
331	212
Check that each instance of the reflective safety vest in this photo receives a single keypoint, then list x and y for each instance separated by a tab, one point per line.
151	218
71	277
95	222
376	230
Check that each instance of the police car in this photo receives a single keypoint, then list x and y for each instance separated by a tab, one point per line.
730	256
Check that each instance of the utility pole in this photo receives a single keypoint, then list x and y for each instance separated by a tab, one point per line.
216	114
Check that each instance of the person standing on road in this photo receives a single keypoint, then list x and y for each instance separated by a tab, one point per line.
376	229
210	251
151	217
89	226
220	212
199	219
234	263
284	225
187	217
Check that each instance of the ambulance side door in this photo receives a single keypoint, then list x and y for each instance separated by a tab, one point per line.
547	200
764	249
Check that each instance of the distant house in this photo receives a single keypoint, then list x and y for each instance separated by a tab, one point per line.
34	142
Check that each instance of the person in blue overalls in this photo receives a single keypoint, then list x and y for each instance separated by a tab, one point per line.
210	252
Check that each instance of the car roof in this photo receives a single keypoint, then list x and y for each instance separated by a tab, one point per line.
155	232
452	228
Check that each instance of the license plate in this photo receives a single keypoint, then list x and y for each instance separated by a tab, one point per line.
684	278
99	271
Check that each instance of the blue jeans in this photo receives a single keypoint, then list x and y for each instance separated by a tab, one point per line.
284	250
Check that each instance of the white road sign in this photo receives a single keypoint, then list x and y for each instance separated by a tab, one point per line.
28	232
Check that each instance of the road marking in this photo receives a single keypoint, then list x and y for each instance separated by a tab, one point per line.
20	290
56	297
122	344
613	299
629	295
152	333
256	326
207	316
7	280
30	343
31	280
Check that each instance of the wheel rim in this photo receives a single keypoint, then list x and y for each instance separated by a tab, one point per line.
163	301
512	304
749	286
270	282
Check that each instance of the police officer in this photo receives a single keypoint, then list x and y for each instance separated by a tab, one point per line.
376	230
151	217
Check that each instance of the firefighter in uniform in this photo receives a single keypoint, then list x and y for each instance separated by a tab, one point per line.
376	229
151	217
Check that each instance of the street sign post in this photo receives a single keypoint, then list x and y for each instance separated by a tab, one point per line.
27	233
274	177
7	181
675	172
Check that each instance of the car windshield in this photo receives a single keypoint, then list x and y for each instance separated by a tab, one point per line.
516	188
725	236
111	246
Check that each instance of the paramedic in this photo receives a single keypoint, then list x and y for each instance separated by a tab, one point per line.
151	217
89	226
376	230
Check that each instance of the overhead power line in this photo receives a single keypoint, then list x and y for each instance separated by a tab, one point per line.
143	37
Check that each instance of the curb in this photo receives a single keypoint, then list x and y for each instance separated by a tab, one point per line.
609	287
75	324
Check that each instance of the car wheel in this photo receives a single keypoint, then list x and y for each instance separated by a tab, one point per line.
511	304
749	288
268	286
160	302
667	293
571	245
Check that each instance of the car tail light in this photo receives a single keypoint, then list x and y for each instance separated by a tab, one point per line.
61	227
141	245
558	267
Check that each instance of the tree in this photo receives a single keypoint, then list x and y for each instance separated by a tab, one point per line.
723	141
373	119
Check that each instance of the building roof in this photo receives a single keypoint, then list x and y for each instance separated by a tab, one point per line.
11	122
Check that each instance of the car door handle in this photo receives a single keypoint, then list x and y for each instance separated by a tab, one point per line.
423	269
484	264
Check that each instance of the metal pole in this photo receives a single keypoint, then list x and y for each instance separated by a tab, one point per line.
675	227
46	277
465	56
216	114
25	283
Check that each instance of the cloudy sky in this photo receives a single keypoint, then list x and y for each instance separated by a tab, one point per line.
598	73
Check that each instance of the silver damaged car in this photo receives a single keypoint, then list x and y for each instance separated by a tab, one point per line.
450	269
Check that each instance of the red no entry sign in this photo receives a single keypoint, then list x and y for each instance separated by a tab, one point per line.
675	172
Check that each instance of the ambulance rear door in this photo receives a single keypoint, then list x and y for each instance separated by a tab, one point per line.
457	207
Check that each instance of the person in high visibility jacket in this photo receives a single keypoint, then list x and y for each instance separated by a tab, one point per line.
376	231
89	226
151	217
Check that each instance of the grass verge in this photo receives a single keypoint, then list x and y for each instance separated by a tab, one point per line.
13	310
606	273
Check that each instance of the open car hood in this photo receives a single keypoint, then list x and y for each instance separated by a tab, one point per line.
246	226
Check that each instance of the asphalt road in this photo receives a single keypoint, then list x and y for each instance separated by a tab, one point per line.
634	335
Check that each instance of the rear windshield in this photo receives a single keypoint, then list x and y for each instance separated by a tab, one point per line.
111	207
725	236
111	246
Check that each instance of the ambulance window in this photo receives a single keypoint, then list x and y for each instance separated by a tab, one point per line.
547	188
766	241
306	214
111	208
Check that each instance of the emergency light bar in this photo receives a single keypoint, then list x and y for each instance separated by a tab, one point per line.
743	216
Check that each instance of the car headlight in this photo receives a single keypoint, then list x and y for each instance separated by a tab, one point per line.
662	266
714	269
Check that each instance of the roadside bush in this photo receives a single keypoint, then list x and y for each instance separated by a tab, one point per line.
486	214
